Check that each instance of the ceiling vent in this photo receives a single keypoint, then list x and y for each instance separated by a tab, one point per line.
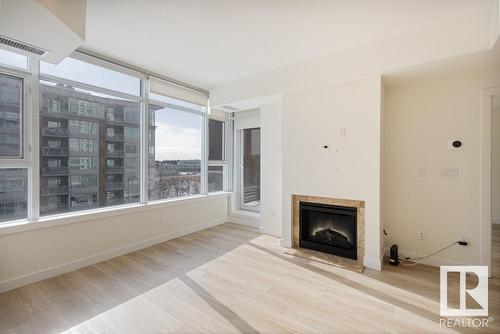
23	46
47	29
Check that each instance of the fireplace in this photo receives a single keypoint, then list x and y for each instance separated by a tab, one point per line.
329	228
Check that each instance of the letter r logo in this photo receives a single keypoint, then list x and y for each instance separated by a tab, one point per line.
479	293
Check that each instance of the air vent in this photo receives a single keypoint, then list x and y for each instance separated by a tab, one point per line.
22	46
231	108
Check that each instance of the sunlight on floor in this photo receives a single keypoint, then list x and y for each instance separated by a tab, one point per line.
257	288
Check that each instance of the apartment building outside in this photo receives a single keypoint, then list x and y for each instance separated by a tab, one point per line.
82	134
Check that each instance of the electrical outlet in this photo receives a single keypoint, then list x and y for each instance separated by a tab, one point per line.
421	235
467	239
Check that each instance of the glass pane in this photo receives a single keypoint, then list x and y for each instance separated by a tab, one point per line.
215	178
13	59
176	102
77	70
251	168
174	153
89	149
13	194
10	116
215	140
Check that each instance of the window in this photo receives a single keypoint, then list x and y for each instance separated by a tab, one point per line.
250	156
13	194
13	59
88	153
175	140
216	155
11	116
215	178
92	141
215	140
87	73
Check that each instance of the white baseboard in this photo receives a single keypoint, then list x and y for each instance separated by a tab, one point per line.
286	243
36	276
375	264
434	261
243	220
495	221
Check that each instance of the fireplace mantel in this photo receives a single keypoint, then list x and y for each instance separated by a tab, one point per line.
356	265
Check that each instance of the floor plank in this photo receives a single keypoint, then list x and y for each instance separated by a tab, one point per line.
231	279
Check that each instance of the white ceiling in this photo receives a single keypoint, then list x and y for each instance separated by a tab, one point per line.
207	43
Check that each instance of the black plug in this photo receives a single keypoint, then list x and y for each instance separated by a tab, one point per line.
463	243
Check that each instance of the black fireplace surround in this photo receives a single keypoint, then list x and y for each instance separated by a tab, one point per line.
329	228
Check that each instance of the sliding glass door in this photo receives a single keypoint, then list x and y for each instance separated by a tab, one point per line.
250	169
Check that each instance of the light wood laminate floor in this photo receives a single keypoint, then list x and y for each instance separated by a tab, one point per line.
230	279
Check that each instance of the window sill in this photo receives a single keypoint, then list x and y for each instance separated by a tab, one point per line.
77	217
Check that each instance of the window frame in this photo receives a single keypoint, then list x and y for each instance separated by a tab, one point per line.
26	136
204	147
31	143
99	90
226	151
241	169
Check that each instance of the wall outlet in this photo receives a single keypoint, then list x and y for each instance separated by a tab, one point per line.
467	239
422	171
421	235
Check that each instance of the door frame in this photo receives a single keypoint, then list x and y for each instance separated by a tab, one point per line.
485	175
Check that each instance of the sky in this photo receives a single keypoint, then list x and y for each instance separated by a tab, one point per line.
177	135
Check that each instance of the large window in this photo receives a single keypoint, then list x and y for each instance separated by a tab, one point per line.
175	150
102	139
83	147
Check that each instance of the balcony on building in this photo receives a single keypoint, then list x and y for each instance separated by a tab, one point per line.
55	151
49	190
55	132
57	170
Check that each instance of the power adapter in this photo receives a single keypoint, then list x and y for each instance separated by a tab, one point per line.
463	243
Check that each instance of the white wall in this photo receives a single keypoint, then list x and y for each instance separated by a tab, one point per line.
460	36
32	255
271	169
350	167
495	163
421	116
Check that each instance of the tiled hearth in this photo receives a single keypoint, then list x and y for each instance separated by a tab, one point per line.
356	265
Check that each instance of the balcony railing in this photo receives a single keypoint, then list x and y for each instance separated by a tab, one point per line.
54	208
115	153
55	170
55	190
55	151
116	169
115	137
56	113
83	189
251	193
8	129
63	132
108	186
115	201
